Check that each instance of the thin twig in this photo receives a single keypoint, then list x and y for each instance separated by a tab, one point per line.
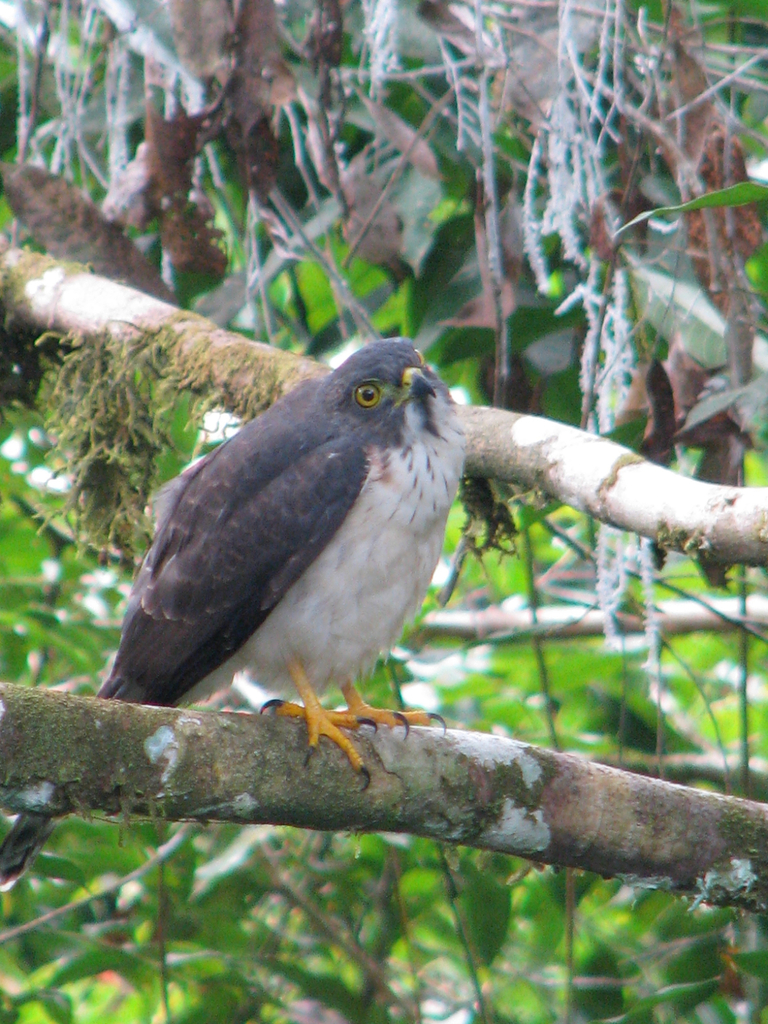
469	952
362	321
710	713
41	48
538	650
743	691
570	916
492	220
162	911
255	268
714	89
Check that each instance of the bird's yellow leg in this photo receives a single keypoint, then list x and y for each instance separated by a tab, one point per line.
319	721
381	716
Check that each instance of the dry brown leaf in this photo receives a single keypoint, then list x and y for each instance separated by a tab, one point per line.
403	137
326	34
378	236
689	81
190	240
259	77
171	148
128	200
184	214
660	431
257	56
69	226
201	32
687	377
718	240
719	235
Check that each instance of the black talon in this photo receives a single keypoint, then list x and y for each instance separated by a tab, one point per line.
368	721
274	703
367	776
310	752
437	718
403	721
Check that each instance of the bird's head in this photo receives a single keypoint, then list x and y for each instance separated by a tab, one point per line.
388	388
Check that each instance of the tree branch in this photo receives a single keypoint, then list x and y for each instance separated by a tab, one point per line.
611	483
48	295
61	753
509	621
619	487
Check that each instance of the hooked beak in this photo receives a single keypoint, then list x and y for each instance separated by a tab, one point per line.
415	385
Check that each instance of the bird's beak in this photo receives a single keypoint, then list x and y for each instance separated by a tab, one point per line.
415	385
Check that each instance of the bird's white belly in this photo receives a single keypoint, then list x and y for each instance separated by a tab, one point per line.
352	602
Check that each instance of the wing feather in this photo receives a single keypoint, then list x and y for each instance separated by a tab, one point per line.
234	534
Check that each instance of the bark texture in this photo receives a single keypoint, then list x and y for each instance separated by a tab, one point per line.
63	754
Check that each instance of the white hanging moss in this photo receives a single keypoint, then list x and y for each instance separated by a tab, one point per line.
615	374
532	234
117	90
652	625
565	190
381	36
611	581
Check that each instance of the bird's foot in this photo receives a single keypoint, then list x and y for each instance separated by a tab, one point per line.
323	723
363	712
330	723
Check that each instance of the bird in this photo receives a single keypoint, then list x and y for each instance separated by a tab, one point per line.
295	551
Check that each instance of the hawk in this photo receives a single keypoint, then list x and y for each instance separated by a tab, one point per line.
296	551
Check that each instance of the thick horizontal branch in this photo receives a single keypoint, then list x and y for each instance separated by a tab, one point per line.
611	483
616	486
61	754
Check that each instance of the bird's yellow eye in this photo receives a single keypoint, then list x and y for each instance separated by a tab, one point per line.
368	395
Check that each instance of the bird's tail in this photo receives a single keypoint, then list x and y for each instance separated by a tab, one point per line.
22	844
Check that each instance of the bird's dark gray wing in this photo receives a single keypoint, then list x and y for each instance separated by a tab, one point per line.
234	534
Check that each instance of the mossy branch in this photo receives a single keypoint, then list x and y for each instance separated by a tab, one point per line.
71	754
170	350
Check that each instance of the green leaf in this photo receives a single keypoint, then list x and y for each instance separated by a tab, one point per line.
527	516
487	905
674	305
751	399
629	434
754	963
680	998
101	957
735	195
48	865
416	197
57	1005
